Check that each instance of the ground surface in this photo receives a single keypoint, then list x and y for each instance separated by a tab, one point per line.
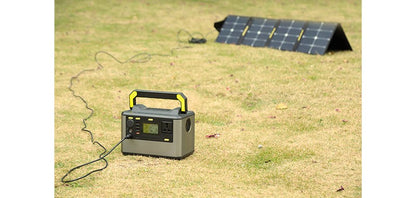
309	149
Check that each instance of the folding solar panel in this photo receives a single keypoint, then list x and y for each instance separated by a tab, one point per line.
290	35
258	32
232	29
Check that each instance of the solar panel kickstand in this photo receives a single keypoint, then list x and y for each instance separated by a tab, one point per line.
339	40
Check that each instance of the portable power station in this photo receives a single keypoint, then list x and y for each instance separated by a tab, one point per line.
158	132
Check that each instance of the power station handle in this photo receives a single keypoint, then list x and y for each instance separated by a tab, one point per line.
160	95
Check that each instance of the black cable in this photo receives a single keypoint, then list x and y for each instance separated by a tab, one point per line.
84	120
146	57
140	58
102	157
192	38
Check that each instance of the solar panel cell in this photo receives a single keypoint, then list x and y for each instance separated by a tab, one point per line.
287	46
325	34
302	48
317	50
321	42
307	40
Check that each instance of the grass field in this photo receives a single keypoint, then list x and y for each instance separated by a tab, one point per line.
309	149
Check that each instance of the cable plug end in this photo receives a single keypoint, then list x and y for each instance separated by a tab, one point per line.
198	40
129	135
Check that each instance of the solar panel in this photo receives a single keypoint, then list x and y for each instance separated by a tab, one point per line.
232	29
316	37
286	35
258	32
283	34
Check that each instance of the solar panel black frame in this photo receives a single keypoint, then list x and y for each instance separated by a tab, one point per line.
291	35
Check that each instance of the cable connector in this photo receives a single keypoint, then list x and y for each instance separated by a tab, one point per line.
197	40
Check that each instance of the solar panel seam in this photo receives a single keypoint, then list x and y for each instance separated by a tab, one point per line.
244	33
305	25
275	26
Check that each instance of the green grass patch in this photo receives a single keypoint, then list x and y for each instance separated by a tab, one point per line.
267	158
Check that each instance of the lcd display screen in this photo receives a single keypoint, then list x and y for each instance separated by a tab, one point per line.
150	128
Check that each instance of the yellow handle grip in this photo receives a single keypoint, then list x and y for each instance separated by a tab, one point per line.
160	95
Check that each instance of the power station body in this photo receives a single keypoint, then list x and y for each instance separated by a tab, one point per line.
157	132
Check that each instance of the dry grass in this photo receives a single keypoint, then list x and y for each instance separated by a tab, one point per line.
308	150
